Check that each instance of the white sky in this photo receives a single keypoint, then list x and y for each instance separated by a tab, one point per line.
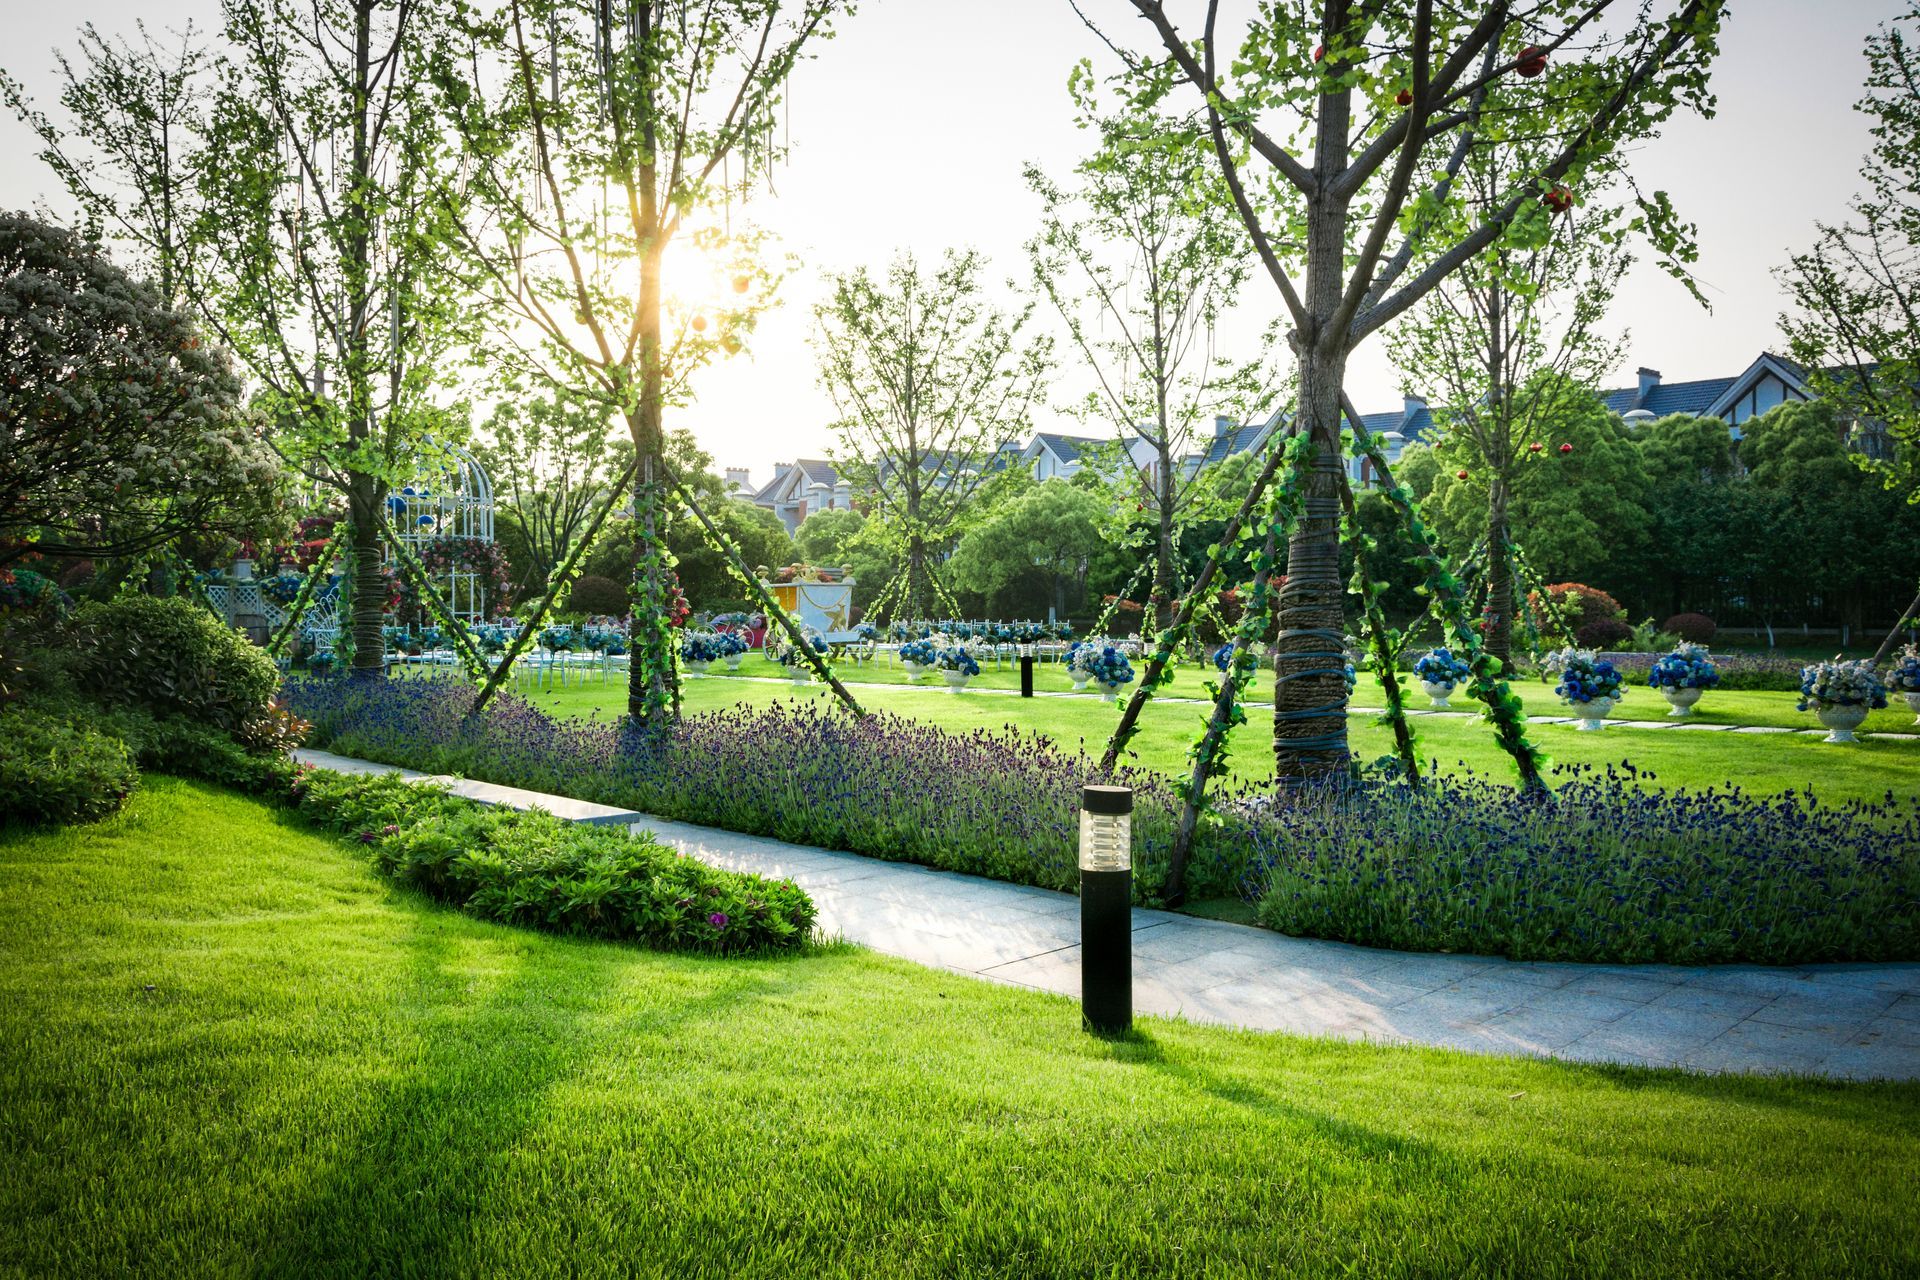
909	130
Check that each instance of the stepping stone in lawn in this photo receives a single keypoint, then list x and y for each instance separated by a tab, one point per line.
1763	728
1710	728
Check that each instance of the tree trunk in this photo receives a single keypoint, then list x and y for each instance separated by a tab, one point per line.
653	686
1309	685
364	498
1500	594
1163	570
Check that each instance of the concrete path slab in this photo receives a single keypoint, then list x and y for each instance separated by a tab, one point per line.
1845	1021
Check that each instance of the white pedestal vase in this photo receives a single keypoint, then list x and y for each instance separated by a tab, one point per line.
1110	691
1439	693
1913	704
1079	682
1593	714
799	676
956	681
733	661
1681	700
1840	720
696	669
913	670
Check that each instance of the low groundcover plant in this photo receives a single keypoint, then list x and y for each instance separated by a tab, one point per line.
535	870
1608	868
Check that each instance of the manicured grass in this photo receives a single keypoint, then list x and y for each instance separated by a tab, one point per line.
225	1046
1765	764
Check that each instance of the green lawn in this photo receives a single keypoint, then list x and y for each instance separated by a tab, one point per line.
1763	764
226	1047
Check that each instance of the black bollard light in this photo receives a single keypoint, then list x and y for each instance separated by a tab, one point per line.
1026	671
1106	909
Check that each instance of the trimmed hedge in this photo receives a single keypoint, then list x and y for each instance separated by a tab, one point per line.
56	769
533	869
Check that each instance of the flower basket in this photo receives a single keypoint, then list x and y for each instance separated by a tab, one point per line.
1590	686
1439	673
1841	693
1099	662
1904	678
956	666
1682	676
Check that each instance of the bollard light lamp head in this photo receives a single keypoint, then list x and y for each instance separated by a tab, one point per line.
1106	828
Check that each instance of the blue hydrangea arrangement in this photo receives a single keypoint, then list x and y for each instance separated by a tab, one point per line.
1586	678
729	643
1107	665
491	638
1439	666
1905	675
920	652
1223	657
699	646
557	639
956	658
1687	667
1840	683
282	588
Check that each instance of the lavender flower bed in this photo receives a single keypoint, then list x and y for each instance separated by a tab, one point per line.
1608	870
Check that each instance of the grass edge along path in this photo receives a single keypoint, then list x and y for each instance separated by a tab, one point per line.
224	1045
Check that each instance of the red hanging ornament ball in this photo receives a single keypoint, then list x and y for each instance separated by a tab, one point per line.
1559	200
1566	448
1319	52
1535	447
1404	97
741	284
699	324
1460	475
1533	60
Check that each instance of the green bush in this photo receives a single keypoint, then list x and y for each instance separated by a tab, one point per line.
533	869
595	595
57	769
172	657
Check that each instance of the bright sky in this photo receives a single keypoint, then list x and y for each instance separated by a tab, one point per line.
909	130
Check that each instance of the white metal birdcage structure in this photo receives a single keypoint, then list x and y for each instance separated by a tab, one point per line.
450	497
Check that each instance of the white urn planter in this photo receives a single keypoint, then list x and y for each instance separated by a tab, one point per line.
956	681
1079	681
913	669
1681	700
733	661
1841	720
799	675
697	669
1593	714
1913	704
1439	692
1110	690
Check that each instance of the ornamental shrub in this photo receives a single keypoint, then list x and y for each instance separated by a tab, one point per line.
1602	633
1569	606
1694	628
55	768
535	870
593	594
172	657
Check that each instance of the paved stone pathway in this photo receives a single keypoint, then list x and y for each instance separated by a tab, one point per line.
1849	1021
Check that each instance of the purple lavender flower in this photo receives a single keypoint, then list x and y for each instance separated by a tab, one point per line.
718	920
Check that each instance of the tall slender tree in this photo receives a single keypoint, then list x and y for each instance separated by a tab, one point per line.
929	381
1141	267
298	162
1498	346
600	134
1340	128
1855	320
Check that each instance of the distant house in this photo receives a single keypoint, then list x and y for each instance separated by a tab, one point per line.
800	488
1394	429
739	484
1768	382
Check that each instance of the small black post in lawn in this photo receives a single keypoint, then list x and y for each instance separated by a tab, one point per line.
1026	671
1106	909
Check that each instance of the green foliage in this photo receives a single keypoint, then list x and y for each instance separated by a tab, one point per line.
550	458
1031	552
173	657
535	870
59	769
702	567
